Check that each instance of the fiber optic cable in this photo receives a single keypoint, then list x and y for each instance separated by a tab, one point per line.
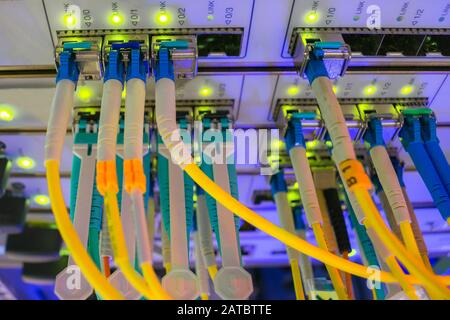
177	214
410	137
358	182
279	193
295	143
231	281
205	233
431	141
200	265
106	165
165	249
367	249
165	118
81	210
58	122
306	268
389	181
414	223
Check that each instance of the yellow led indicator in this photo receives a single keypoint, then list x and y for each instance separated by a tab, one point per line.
162	18
312	17
6	113
370	90
116	18
210	17
352	253
205	91
84	94
25	163
293	196
335	89
293	90
41	199
69	20
406	90
276	144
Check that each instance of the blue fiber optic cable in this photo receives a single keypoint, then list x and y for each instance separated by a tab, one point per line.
410	137
431	141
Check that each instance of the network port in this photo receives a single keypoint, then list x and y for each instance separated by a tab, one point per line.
219	45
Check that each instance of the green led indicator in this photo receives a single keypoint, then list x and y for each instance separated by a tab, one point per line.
406	90
312	17
370	90
6	113
41	199
116	18
293	90
25	162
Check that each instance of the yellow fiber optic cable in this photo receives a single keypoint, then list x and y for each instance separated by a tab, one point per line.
119	246
297	278
398	272
409	239
98	281
212	270
285	237
151	289
433	283
334	274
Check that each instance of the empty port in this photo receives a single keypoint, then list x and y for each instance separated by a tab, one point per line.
228	45
406	44
367	44
436	44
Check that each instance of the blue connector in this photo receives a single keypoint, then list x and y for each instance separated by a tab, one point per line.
137	68
317	65
114	67
297	212
431	141
411	139
277	183
199	190
374	133
164	67
294	133
398	167
68	69
376	182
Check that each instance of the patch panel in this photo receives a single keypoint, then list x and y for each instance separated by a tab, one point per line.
222	29
380	48
320	76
